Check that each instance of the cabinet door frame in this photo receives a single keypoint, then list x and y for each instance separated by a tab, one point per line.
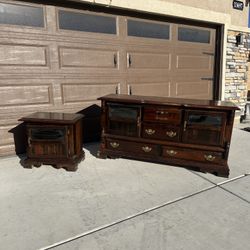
43	142
137	120
220	129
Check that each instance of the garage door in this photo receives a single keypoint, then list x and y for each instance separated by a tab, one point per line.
61	59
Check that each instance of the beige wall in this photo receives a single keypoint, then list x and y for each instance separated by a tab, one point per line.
238	18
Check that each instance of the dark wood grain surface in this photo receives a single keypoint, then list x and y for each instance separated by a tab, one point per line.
182	132
48	117
170	101
54	139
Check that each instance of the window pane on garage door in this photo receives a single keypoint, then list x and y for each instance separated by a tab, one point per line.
193	35
21	15
69	20
148	29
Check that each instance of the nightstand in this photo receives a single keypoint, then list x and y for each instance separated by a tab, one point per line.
54	139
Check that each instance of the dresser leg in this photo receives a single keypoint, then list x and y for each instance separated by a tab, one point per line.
101	155
26	163
37	165
71	168
223	173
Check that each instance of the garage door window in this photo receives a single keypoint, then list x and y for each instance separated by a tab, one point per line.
147	29
193	35
69	20
21	15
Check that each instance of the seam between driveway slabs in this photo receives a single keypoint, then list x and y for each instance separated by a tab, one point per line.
220	184
97	229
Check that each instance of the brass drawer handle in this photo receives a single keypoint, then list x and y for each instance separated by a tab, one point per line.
209	157
171	152
161	112
150	131
114	144
146	149
171	133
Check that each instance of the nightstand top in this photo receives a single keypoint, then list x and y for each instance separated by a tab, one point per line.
52	117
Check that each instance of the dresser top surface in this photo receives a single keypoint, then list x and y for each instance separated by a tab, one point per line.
169	101
52	117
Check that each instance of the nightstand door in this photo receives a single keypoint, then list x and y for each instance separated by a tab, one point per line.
50	141
204	127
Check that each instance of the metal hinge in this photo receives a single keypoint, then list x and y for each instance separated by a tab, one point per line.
207	78
208	53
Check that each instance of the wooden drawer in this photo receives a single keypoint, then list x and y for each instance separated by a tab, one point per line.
133	147
166	115
193	155
160	132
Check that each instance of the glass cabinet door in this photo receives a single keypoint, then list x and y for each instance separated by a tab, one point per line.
123	120
204	127
50	141
40	133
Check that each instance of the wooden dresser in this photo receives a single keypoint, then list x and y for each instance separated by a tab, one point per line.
54	139
182	132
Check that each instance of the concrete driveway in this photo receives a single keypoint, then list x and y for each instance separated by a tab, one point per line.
125	204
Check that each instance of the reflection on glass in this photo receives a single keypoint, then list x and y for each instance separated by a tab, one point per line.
193	35
205	120
69	20
21	15
124	113
147	29
47	134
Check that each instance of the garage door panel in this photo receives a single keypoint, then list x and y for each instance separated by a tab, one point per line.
20	95
87	58
151	88
5	135
185	46
193	48
194	62
10	134
198	90
140	60
7	150
82	92
23	55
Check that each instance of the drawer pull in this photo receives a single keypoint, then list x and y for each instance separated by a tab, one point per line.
146	149
185	126
150	131
114	144
209	157
171	133
160	112
171	152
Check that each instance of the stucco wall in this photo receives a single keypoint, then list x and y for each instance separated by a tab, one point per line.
238	17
